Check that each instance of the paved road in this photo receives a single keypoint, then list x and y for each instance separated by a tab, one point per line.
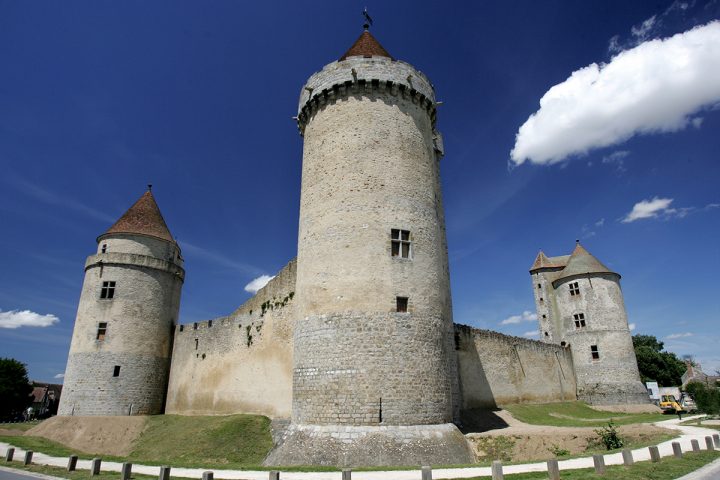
10	474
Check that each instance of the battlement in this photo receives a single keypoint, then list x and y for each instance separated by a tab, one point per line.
364	76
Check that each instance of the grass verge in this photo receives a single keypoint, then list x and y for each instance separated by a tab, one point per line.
232	441
76	475
668	469
576	414
20	426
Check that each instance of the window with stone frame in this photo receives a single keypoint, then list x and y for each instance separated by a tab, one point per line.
116	371
402	304
400	243
101	331
579	320
108	290
574	289
594	352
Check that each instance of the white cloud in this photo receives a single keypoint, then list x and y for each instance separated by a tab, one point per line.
678	335
25	318
648	209
533	333
600	223
654	87
526	316
641	31
697	122
258	283
631	326
59	375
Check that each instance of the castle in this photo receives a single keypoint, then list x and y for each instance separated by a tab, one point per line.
353	340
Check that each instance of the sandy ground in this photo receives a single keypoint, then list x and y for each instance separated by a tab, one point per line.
101	435
533	442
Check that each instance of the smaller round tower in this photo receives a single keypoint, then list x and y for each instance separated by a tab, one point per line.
119	357
580	305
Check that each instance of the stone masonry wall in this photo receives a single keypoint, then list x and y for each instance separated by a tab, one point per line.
497	369
371	165
241	363
139	318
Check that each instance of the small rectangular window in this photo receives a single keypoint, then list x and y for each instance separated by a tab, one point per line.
539	286
104	248
108	290
574	289
195	326
594	352
196	343
544	316
101	331
116	371
402	304
400	241
579	320
182	327
209	323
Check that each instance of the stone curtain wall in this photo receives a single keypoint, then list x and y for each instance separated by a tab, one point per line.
497	369
243	362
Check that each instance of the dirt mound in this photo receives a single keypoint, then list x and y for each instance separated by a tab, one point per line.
98	435
520	442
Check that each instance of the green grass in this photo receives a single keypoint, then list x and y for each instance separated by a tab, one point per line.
668	468
21	426
576	414
232	441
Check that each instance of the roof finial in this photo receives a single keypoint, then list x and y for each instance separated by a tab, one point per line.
149	187
368	20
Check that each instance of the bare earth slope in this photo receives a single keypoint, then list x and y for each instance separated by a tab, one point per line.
106	435
525	442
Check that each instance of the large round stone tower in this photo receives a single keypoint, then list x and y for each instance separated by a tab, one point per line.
120	352
580	305
375	375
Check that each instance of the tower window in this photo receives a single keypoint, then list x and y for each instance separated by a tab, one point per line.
104	248
402	304
594	352
195	326
400	240
107	290
546	334
182	327
196	343
101	331
574	289
539	286
579	320
544	316
116	371
209	323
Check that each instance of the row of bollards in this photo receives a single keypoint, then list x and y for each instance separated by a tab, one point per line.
553	468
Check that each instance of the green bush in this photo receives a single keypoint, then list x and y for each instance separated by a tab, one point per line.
707	398
609	437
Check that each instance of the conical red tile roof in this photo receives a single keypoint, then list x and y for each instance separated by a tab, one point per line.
365	46
143	218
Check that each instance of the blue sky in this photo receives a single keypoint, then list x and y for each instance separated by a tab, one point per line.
97	99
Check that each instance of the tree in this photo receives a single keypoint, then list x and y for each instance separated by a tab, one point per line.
707	398
655	364
15	388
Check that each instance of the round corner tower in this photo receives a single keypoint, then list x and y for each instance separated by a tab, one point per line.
373	341
119	357
580	305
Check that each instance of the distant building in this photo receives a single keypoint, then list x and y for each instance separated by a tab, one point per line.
46	398
694	373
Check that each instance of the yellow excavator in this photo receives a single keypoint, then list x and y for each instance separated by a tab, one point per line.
668	404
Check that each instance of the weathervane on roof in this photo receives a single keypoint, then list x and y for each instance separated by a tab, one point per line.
368	20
